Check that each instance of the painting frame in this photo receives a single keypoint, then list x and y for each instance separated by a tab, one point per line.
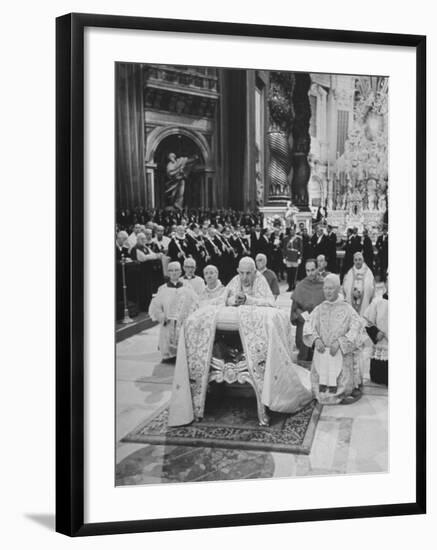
70	285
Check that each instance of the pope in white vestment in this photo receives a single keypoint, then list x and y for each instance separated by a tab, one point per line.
247	305
171	306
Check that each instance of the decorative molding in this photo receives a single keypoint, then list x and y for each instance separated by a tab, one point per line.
194	79
158	134
180	103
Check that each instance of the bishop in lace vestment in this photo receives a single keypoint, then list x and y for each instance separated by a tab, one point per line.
213	287
359	285
248	306
336	331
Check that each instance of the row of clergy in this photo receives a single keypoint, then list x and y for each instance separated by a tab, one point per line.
334	329
359	290
207	245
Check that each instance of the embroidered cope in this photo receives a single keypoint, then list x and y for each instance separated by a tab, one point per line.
334	322
265	333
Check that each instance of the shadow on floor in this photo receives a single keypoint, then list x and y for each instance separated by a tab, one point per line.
46	520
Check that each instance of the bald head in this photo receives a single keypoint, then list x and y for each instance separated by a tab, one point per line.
212	268
358	260
190	267
247	271
331	287
246	263
174	271
122	237
261	261
190	262
148	233
321	262
210	274
141	239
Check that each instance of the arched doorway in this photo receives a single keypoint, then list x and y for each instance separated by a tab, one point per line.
182	146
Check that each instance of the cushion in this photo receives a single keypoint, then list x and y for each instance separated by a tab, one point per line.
227	318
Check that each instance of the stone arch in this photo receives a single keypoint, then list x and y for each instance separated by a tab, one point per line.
158	134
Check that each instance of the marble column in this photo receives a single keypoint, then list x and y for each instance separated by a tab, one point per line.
279	136
301	141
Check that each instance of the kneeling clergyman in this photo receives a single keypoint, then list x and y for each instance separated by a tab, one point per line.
173	303
213	288
190	278
336	330
377	317
247	305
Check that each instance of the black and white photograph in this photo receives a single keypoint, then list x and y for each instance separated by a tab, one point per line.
201	351
251	274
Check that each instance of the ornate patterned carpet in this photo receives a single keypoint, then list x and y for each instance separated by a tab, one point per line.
231	422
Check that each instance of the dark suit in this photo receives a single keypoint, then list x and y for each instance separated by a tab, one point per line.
368	253
356	244
382	247
307	252
149	274
180	249
275	252
214	247
241	246
353	244
319	245
121	252
331	252
258	245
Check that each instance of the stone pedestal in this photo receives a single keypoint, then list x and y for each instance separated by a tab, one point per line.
306	218
272	211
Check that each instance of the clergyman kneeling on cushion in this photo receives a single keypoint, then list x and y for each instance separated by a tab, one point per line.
171	306
336	331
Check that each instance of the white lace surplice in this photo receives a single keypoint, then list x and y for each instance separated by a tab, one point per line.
267	341
173	305
377	315
334	321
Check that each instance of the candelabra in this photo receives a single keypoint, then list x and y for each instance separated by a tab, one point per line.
126	318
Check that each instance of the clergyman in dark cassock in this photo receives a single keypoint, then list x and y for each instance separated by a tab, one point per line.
319	242
331	250
382	248
149	262
307	295
276	256
369	256
179	248
258	243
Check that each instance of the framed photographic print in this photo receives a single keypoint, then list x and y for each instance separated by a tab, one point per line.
227	351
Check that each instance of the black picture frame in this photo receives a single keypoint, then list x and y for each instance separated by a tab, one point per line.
70	273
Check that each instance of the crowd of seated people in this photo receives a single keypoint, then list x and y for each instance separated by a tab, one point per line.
175	262
342	331
221	238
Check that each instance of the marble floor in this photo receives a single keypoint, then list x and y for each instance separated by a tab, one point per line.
348	439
